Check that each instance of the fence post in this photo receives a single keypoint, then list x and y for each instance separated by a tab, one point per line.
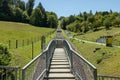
23	43
32	49
42	43
27	41
9	44
16	43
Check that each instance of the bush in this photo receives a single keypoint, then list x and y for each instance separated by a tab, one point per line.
5	56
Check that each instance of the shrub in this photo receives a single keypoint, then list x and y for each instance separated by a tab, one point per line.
5	56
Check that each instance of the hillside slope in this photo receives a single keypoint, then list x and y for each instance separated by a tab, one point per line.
106	59
12	31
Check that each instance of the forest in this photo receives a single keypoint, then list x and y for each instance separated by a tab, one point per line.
19	11
85	22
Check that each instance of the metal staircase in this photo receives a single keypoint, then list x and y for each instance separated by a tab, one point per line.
60	68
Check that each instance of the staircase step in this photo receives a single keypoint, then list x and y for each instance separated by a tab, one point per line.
60	79
59	60
61	76
59	71
60	57
59	63
59	66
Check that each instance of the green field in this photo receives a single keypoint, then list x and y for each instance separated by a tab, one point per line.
106	59
93	36
11	31
19	31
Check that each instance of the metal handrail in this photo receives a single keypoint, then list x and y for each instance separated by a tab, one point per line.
39	66
82	68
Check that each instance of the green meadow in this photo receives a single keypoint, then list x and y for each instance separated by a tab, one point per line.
25	34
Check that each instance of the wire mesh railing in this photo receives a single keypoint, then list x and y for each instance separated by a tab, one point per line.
9	73
101	77
38	68
83	69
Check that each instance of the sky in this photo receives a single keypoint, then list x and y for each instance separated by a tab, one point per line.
71	7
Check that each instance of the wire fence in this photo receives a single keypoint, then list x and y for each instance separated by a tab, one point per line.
39	66
14	44
101	77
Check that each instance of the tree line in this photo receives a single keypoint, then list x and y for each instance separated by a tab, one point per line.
84	22
19	11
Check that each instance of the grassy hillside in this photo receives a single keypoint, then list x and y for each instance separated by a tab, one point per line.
93	36
106	59
18	31
13	31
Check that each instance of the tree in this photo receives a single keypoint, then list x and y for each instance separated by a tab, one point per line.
18	15
22	5
80	14
30	5
44	15
64	24
52	19
25	17
85	26
91	19
75	27
85	16
1	2
71	19
36	17
91	12
96	25
116	22
62	17
15	3
6	12
107	23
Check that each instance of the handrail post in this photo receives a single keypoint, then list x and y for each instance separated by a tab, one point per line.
71	56
47	63
23	74
95	74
